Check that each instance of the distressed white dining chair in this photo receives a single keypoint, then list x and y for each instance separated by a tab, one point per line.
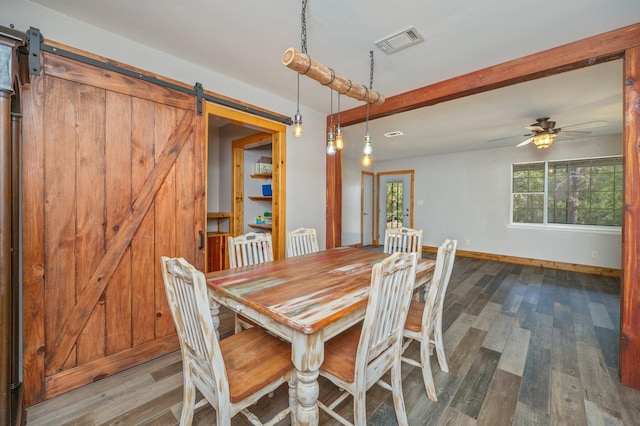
424	322
249	249
357	358
302	241
403	240
231	374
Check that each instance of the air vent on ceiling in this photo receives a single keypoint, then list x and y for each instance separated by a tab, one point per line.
394	133
399	41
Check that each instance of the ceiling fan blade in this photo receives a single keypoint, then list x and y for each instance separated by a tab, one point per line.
509	137
587	125
535	128
523	143
574	134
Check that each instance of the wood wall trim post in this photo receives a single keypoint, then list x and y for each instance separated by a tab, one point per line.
5	256
6	91
334	200
16	147
630	286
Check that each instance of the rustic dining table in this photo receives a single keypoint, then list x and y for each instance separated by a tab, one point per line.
305	300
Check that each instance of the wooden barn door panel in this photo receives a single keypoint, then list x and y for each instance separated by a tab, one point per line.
114	182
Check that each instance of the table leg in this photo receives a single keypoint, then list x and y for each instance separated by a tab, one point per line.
307	355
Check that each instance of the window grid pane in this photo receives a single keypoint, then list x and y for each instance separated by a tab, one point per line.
528	193
580	192
584	192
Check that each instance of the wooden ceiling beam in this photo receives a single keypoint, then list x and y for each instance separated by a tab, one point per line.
598	49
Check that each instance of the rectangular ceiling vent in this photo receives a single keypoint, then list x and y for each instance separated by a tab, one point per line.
394	134
400	40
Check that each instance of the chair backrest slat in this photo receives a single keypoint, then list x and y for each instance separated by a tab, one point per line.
392	282
249	249
403	240
302	241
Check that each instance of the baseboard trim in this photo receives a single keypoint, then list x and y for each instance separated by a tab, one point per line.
563	266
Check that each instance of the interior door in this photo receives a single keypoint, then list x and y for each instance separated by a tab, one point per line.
367	209
395	200
113	179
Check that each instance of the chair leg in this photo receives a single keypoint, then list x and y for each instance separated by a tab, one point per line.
398	397
360	408
188	398
442	359
427	375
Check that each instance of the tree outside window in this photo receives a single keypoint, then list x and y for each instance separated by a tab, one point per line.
578	192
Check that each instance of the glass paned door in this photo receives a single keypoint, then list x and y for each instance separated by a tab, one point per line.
394	204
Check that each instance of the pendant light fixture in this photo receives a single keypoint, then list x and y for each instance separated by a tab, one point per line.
331	146
367	150
297	119
339	139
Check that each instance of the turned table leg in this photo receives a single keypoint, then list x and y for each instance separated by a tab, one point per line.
307	355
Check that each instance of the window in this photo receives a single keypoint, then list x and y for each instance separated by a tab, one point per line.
575	192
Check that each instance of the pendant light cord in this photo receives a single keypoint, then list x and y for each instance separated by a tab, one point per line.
370	87
303	33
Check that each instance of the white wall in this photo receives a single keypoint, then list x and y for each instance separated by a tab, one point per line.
306	171
351	195
467	197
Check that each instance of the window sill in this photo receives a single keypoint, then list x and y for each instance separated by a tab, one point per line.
587	229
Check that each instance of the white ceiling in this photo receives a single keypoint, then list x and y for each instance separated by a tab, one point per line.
246	40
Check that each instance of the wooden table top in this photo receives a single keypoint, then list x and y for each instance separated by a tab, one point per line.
306	292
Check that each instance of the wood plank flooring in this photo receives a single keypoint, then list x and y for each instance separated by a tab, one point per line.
525	346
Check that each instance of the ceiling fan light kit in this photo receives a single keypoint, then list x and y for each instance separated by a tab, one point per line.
544	140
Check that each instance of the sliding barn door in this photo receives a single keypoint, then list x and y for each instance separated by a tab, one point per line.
113	179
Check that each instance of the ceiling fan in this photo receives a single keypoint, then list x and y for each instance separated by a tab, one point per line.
544	131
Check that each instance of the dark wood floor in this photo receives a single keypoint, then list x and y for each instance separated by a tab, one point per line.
525	345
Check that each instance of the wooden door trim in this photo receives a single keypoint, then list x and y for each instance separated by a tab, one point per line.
279	158
237	186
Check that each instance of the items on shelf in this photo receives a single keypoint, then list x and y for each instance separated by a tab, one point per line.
266	190
263	166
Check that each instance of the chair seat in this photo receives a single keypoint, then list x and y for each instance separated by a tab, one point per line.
253	359
340	354
414	318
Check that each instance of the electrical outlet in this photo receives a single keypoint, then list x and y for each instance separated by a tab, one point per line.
468	242
594	254
420	202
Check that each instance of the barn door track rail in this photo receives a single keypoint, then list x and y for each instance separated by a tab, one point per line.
36	45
